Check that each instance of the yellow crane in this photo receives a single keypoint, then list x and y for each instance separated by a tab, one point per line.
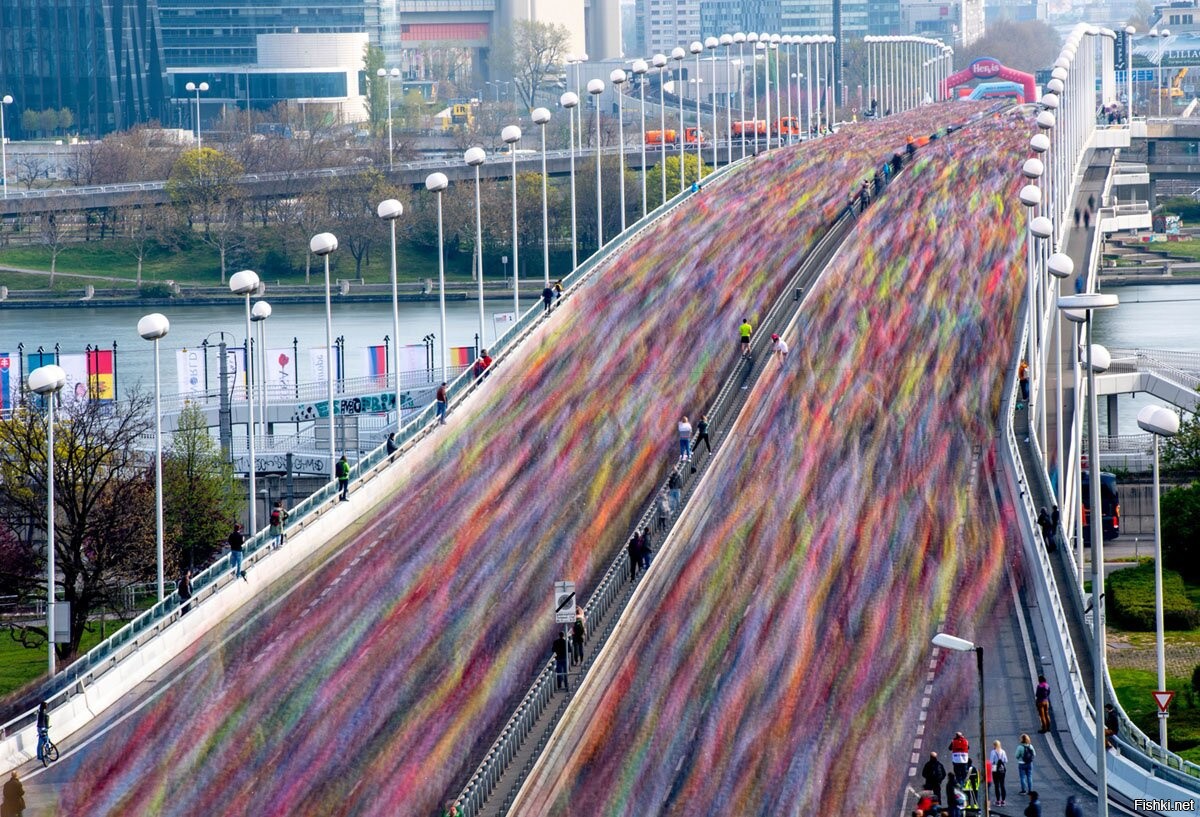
1175	89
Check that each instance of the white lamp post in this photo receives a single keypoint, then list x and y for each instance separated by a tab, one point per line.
323	245
711	44
808	84
1061	266
740	39
48	381
752	38
511	135
540	117
640	67
4	101
787	43
570	101
1129	32
390	210
258	316
437	183
1158	422
678	54
660	62
726	40
383	74
953	642
198	89
155	327
245	283
618	79
1098	360
595	87
474	157
774	46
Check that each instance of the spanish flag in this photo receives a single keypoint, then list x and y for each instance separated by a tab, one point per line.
102	381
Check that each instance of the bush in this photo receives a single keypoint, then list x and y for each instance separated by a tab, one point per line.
1181	529
155	291
1131	600
1196	679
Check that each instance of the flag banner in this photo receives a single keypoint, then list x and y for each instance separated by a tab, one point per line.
413	358
501	323
236	366
35	360
377	364
189	373
102	375
460	356
319	359
76	388
281	372
6	381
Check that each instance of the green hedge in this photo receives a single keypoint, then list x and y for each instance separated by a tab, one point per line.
1131	600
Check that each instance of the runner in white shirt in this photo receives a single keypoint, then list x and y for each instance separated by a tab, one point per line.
780	348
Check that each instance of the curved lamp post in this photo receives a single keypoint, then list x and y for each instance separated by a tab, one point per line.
155	327
640	67
197	89
387	77
540	117
660	62
678	54
1159	421
474	157
323	245
390	210
511	135
618	79
953	642
437	183
258	315
739	38
47	381
726	40
1061	266
711	44
570	101
245	283
595	87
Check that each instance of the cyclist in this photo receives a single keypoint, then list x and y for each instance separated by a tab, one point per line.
43	729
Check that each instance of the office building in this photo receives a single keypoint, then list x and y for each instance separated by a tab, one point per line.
956	22
667	24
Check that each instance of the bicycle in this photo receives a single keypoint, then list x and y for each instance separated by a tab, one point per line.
49	750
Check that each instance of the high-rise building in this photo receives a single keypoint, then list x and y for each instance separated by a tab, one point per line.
102	60
956	22
719	17
668	23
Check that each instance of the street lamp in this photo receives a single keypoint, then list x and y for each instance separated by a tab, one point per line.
570	101
474	157
752	38
739	38
595	87
540	117
678	54
660	62
618	79
198	89
511	135
727	41
437	183
761	46
640	67
774	46
5	100
258	315
245	283
155	327
953	642
1161	38
1061	266
1079	308
787	42
47	381
1159	422
323	245
390	210
711	44
1129	32
383	74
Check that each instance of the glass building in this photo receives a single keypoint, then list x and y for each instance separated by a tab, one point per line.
102	60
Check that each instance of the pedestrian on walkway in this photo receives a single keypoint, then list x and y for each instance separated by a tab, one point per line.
1034	809
1087	219
1024	757
1112	725
184	588
342	471
952	795
1041	697
635	554
547	300
971	787
959	757
558	290
237	540
578	630
440	399
701	437
664	512
779	347
999	761
647	548
1079	284
1078	215
391	443
684	428
481	364
744	333
934	773
560	662
1073	808
1043	520
279	517
674	486
13	804
1091	202
1023	379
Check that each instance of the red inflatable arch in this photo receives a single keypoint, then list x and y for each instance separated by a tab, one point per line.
990	68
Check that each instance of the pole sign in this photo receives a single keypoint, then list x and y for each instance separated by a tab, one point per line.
1163	699
564	602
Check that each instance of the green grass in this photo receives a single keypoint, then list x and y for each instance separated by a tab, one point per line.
1133	688
1189	249
1131	599
20	666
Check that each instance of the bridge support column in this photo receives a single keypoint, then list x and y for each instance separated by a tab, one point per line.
1112	415
224	411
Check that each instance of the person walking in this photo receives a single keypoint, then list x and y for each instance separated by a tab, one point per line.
971	787
391	443
13	804
342	471
684	428
560	662
578	631
558	290
664	512
952	795
547	300
1043	520
440	401
1041	697
481	364
674	490
184	588
702	436
744	333
279	516
237	541
1034	809
43	729
779	348
1077	216
933	772
1024	758
1023	378
959	757
1087	219
1073	808
635	554
999	760
647	548
1112	725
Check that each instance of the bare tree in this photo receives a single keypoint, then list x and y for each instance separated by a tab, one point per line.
532	51
30	168
51	236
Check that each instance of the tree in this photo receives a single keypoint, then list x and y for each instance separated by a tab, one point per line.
200	494
104	493
350	206
147	227
1181	453
203	184
51	236
1026	46
377	112
1181	529
530	52
30	168
670	166
1143	11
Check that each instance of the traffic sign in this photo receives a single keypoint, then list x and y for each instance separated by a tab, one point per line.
1163	699
564	602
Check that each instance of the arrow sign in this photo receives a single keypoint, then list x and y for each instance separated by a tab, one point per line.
564	602
1163	699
